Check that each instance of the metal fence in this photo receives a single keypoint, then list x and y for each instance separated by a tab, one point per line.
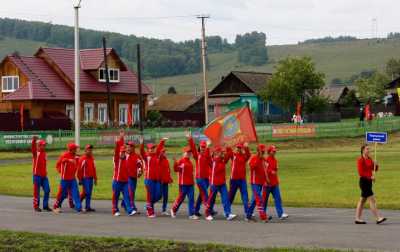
105	138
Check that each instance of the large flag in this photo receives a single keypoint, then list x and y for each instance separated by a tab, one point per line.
234	127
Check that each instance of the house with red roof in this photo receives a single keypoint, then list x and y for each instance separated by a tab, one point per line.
44	85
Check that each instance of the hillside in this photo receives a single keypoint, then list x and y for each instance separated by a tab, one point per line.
336	60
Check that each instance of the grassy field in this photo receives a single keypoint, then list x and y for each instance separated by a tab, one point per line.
313	174
24	241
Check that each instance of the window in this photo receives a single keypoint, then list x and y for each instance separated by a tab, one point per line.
9	83
135	113
88	112
123	114
113	74
211	108
70	111
102	113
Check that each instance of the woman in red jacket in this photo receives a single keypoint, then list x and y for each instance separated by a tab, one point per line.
185	170
366	171
87	176
165	180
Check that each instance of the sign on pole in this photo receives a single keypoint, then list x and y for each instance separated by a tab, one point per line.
376	137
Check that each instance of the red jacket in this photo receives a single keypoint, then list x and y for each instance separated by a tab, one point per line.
272	171
120	164
86	168
39	160
203	161
151	169
67	165
218	170
134	164
184	167
365	167
258	167
239	160
165	170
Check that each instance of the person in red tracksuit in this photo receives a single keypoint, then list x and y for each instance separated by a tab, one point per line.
67	166
203	167
273	186
366	171
152	174
39	170
184	167
258	178
238	174
87	176
120	179
218	184
165	178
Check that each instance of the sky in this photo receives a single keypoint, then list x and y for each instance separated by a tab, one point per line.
283	21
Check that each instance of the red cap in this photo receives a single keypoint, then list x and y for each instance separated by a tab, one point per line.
203	143
42	142
187	149
88	146
261	147
150	146
130	143
239	145
72	146
122	149
218	149
271	148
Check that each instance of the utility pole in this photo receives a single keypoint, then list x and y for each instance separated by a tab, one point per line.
204	62
139	75
77	118
109	117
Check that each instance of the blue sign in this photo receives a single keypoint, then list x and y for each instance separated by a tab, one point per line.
376	137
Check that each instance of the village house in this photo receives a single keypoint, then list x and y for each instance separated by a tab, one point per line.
238	88
393	96
43	84
342	99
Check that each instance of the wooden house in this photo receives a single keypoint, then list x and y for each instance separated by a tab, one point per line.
44	85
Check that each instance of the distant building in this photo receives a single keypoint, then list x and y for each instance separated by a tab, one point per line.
44	85
180	107
393	98
239	88
342	99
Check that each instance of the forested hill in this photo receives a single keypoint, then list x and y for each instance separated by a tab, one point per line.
160	57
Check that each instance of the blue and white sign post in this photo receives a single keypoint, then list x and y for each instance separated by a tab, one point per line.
376	137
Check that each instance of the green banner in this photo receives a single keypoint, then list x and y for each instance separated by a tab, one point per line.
23	139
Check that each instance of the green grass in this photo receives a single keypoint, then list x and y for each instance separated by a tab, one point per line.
313	174
24	241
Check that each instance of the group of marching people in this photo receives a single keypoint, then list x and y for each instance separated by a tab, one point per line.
208	174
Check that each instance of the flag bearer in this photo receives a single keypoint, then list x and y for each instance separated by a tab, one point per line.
273	186
184	167
39	170
238	174
87	176
67	165
218	184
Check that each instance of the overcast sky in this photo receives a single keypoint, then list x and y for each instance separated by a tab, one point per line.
284	21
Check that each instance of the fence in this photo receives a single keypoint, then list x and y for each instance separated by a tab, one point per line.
105	138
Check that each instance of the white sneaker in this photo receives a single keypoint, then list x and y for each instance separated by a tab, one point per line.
193	217
284	216
209	218
116	214
151	216
231	217
173	214
165	213
133	212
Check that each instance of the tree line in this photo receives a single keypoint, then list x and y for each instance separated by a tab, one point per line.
160	57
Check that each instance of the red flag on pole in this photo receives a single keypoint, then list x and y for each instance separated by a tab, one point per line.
21	115
130	114
298	109
234	127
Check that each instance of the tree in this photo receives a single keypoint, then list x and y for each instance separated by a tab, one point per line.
393	68
373	88
295	80
171	90
252	48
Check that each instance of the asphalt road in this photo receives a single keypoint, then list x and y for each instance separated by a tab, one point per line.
306	227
